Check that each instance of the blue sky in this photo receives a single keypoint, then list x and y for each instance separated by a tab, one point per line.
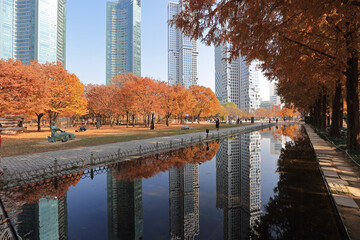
86	39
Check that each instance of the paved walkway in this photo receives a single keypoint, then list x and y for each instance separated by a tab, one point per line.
342	179
44	159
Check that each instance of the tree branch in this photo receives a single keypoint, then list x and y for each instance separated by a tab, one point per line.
308	47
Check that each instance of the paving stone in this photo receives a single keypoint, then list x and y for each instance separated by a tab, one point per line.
330	174
348	178
354	191
345	201
337	181
329	169
345	169
325	164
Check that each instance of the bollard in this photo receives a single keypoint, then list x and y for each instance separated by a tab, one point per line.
91	158
191	140
119	154
157	146
182	141
140	149
55	165
207	133
170	144
199	138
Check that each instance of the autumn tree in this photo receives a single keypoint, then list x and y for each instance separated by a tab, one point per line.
125	95
168	100
66	92
231	110
205	101
260	113
102	101
185	101
279	32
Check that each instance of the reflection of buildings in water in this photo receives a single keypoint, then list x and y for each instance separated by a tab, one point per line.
44	220
276	144
184	201
125	217
238	184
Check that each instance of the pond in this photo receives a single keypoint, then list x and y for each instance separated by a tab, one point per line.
263	184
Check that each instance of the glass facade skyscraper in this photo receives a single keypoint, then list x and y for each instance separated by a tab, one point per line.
238	184
182	53
46	219
125	213
123	38
33	30
236	81
184	201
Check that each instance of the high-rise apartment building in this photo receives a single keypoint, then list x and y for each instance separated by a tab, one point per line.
236	81
123	38
33	30
184	201
182	53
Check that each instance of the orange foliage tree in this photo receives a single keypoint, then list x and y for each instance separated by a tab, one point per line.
23	89
66	92
205	101
316	39
102	101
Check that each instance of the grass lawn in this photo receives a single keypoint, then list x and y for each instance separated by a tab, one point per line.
32	141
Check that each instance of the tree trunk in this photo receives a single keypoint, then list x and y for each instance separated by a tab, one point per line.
181	118
39	116
167	119
133	120
198	118
148	122
352	99
312	115
127	119
341	118
317	113
335	121
323	111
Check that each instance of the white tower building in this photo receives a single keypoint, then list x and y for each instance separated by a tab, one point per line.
274	98
236	81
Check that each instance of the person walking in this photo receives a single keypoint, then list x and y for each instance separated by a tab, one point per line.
217	124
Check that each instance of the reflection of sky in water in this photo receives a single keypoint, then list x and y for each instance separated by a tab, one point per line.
214	205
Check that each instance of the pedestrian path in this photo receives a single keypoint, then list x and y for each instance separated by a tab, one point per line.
342	178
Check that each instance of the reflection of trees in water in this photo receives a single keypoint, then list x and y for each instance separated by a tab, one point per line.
151	165
40	208
300	208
